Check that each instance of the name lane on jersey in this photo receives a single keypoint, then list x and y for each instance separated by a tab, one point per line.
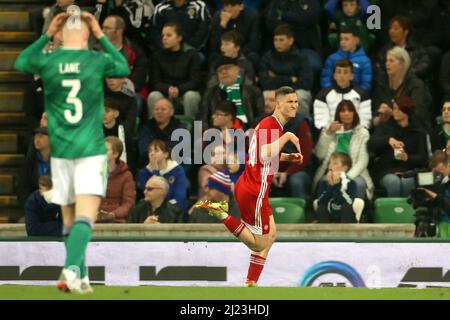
69	67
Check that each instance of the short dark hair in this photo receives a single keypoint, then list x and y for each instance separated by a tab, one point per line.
232	36
232	2
403	21
159	144
226	107
344	63
176	27
343	158
112	103
283	91
45	181
349	29
347	104
439	156
283	30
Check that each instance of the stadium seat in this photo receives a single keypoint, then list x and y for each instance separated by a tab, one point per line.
186	120
288	210
393	210
443	230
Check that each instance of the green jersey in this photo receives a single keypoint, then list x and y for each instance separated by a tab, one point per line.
73	93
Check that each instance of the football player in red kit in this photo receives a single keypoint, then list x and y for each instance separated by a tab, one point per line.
257	227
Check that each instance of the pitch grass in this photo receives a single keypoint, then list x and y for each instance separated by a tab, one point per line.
17	292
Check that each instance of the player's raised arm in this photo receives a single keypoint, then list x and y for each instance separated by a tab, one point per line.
31	58
117	65
273	149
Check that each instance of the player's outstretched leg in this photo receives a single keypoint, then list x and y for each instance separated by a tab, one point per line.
258	259
219	210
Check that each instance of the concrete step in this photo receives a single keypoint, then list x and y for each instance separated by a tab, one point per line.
7	186
4	220
13	118
8	143
14	21
8	201
11	160
17	37
14	76
11	101
7	60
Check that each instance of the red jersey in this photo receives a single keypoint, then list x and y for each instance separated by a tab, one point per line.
258	174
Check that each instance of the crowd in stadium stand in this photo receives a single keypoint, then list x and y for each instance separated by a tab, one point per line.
380	96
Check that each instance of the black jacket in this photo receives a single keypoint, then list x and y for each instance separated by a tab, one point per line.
193	17
412	87
444	79
167	213
302	15
412	136
247	24
285	66
42	218
180	69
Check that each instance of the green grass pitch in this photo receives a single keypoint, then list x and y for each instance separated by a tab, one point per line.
17	292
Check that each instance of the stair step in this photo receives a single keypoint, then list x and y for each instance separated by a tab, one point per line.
7	60
12	160
8	201
4	219
6	184
11	101
14	21
14	76
8	143
17	37
13	118
11	214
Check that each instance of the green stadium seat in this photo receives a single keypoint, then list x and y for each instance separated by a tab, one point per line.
443	230
288	210
188	121
393	210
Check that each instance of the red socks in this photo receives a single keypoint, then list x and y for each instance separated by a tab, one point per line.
234	225
255	268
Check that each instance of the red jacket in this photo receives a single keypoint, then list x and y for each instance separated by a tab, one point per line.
120	193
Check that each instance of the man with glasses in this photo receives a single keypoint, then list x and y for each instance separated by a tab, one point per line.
155	208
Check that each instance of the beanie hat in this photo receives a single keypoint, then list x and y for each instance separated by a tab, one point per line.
220	181
405	104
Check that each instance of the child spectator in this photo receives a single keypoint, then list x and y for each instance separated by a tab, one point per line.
175	72
342	89
440	134
219	189
349	48
235	17
155	208
286	65
230	46
160	164
113	125
352	13
335	203
120	192
43	218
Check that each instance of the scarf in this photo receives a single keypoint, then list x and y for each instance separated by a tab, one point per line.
234	95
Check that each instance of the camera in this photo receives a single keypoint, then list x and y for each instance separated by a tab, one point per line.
423	206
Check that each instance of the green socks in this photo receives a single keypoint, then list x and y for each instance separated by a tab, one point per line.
76	244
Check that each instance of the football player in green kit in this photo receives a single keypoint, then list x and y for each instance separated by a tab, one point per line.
73	92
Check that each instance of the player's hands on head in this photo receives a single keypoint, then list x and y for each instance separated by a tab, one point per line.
56	24
93	24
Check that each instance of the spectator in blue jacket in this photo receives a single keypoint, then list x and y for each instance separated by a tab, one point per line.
43	218
349	48
286	65
160	164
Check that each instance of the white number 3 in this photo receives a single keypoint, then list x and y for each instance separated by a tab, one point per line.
74	86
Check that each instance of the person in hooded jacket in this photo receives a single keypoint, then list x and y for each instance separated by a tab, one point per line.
120	191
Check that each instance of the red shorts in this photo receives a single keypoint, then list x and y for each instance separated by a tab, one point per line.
255	212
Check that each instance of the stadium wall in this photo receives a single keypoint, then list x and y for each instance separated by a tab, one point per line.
411	263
